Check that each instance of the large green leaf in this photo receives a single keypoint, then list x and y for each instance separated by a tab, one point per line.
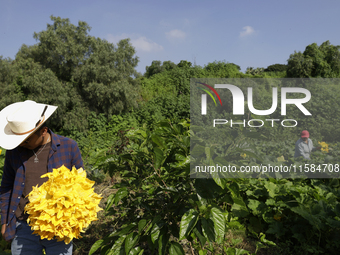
141	225
235	251
131	241
159	141
120	194
158	157
155	230
124	230
118	246
176	249
255	206
163	240
136	251
272	188
208	229
188	222
200	236
96	246
219	223
110	201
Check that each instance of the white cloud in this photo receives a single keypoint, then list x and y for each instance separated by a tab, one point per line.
140	43
175	34
247	30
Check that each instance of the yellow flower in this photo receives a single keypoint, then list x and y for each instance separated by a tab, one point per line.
63	206
324	146
243	155
0	151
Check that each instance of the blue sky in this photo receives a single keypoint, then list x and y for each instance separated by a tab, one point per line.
245	32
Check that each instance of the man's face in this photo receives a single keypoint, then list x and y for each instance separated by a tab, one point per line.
304	138
33	141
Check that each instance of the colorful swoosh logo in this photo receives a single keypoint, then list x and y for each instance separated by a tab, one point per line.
208	92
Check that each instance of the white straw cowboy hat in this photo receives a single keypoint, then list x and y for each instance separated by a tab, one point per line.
19	120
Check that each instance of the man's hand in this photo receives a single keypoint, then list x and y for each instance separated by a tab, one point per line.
3	229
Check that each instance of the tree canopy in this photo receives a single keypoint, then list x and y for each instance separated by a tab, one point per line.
76	71
316	61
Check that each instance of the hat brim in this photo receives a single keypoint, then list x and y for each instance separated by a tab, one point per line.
10	140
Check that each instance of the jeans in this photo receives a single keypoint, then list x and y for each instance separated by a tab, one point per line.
27	243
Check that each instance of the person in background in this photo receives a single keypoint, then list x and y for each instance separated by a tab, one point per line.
304	146
32	150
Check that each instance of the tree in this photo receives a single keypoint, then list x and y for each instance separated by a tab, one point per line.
276	68
184	63
223	70
255	71
10	91
158	67
77	72
315	61
105	78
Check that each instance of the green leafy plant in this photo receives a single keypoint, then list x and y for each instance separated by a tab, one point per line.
158	206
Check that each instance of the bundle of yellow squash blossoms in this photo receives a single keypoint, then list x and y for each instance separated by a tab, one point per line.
324	146
62	206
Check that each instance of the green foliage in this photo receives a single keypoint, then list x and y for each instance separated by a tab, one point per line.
161	108
157	67
315	61
158	205
276	68
303	211
10	89
255	71
220	69
104	78
154	168
184	64
103	135
76	71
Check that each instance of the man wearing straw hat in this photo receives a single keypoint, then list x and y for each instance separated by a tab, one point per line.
32	150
